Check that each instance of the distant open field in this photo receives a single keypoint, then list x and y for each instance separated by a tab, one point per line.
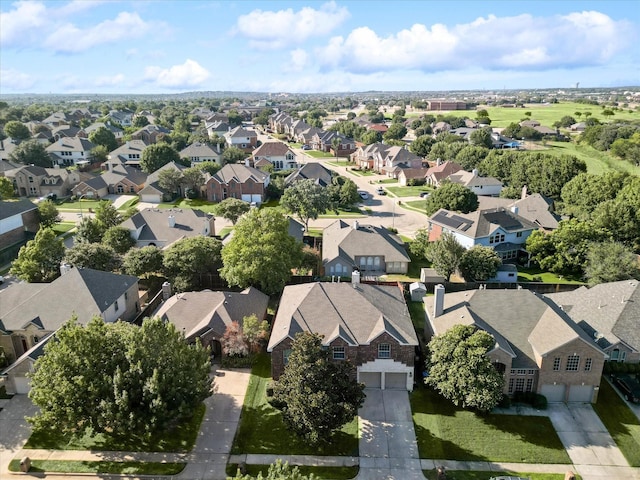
597	162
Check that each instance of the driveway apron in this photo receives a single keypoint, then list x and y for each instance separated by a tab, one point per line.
14	429
388	446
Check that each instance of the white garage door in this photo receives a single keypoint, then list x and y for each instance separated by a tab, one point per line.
371	379
395	381
554	393
23	385
150	198
580	393
248	197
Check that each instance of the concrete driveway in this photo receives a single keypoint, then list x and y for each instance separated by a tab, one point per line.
14	429
388	447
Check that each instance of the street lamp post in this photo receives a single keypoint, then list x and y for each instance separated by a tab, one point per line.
80	201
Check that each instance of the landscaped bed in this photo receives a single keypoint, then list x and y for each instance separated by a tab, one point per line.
320	473
447	432
262	430
104	467
621	422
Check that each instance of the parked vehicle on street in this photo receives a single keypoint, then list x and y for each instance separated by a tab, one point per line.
306	147
363	195
381	191
628	386
424	194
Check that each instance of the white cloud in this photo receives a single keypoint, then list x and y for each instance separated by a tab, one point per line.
188	75
495	43
11	79
298	60
20	25
269	29
113	80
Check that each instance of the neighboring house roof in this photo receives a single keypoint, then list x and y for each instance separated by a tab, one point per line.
311	171
85	292
130	147
153	224
9	208
65	131
271	149
153	180
538	209
235	172
198	149
482	223
412	173
195	313
608	312
73	144
95	126
443	170
240	132
346	241
472	179
6	147
522	323
357	314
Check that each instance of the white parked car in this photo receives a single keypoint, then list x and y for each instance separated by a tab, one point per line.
363	195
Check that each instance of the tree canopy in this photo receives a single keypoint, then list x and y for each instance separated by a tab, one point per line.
105	137
6	188
445	254
118	377
143	261
316	395
39	260
119	239
306	200
233	155
31	152
458	368
261	252
17	130
231	209
48	213
452	196
158	155
609	262
277	471
479	263
96	256
187	259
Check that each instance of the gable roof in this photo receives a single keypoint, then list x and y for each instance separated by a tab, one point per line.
358	315
608	312
240	132
472	179
271	149
152	224
311	171
198	149
482	223
70	144
9	208
84	291
197	312
239	173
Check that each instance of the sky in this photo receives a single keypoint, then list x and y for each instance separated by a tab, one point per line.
146	46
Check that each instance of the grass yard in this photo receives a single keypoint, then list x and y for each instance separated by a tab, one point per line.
622	424
340	163
129	203
362	173
320	473
261	429
408	191
416	206
597	162
63	227
319	154
484	475
342	213
195	204
180	439
447	432
537	275
84	204
104	467
416	310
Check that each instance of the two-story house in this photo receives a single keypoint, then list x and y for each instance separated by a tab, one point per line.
71	151
129	154
19	221
245	140
485	186
202	152
277	154
32	181
237	181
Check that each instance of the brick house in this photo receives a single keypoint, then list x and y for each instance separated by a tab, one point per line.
277	153
369	325
538	347
19	220
237	181
245	140
32	181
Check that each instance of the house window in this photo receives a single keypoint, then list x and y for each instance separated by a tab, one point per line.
116	305
285	355
30	179
513	371
556	364
519	384
519	234
510	386
384	350
531	372
126	296
587	365
338	353
618	355
529	384
522	372
573	361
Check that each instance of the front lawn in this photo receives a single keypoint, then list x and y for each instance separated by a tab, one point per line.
63	227
104	467
340	163
621	422
319	473
419	206
484	475
194	204
535	274
181	439
409	191
262	430
447	432
77	205
319	154
128	204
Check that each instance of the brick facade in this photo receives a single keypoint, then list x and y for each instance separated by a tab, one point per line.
217	191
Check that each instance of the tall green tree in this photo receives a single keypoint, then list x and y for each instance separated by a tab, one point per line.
119	239
306	200
233	155
96	256
452	196
48	214
460	370
420	243
105	137
6	188
17	130
170	180
193	179
118	378
143	261
89	230
481	138
231	209
261	234
396	131
187	259
39	260
609	262
316	395
421	146
156	156
107	215
31	152
479	263
445	254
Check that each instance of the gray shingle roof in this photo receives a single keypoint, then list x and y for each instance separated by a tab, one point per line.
358	315
9	208
482	223
313	171
239	173
153	224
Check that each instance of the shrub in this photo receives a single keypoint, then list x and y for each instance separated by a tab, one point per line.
270	386
505	402
540	402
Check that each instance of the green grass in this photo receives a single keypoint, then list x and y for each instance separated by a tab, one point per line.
320	473
340	163
388	180
319	154
105	467
262	430
484	475
597	162
537	275
294	145
341	213
195	204
63	227
129	203
224	232
447	432
84	204
362	173
409	191
182	438
415	205
621	422
416	310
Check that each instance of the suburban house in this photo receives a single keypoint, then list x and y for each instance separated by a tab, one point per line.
277	153
6	148
202	152
31	312
408	175
206	315
439	172
537	209
609	313
487	186
306	136
372	250
503	230
119	179
153	192
368	325
237	181
323	141
18	219
150	134
537	346
161	227
217	128
129	154
311	171
117	131
121	117
245	140
32	181
65	131
385	159
71	151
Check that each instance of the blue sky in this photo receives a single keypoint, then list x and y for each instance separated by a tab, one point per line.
147	46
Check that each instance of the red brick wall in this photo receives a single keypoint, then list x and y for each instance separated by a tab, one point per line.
435	232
